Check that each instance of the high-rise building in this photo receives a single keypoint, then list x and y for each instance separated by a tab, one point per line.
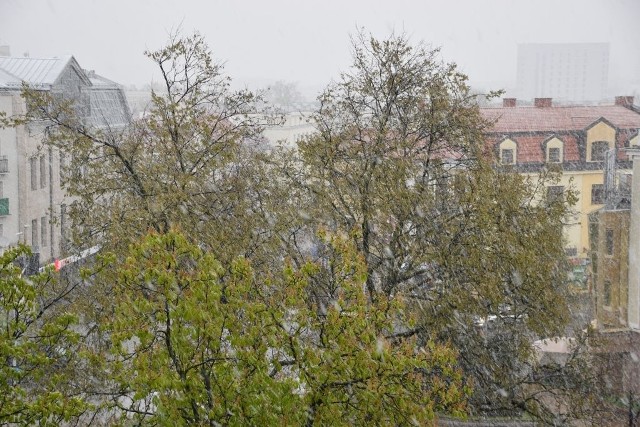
566	72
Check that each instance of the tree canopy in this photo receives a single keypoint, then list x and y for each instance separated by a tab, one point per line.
384	272
399	163
190	349
38	345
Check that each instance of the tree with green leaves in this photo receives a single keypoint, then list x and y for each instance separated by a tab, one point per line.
185	164
451	253
38	348
191	349
399	164
182	164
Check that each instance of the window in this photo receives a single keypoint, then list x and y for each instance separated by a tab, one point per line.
508	152
554	155
4	164
43	172
555	193
1	229
598	150
597	194
63	227
506	156
571	252
43	231
607	293
33	162
34	233
609	241
62	165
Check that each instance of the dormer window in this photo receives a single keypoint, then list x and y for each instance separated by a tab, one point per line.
508	152
554	150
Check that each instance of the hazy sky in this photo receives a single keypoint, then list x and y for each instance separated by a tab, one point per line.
308	41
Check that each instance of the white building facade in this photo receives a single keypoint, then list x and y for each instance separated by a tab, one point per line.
32	202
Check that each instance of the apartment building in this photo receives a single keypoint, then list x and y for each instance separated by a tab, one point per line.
573	139
32	201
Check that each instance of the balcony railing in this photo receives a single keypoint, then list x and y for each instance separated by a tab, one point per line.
4	206
4	164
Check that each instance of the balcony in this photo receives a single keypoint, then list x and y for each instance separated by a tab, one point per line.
4	206
4	164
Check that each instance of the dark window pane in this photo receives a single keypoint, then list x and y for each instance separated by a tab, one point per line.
554	193
507	156
597	194
34	235
33	163
554	155
607	293
43	231
43	172
609	241
598	150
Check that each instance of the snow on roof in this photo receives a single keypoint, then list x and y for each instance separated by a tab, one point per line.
38	72
555	119
101	82
6	78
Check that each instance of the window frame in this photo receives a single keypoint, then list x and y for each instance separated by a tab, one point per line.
601	154
559	158
503	151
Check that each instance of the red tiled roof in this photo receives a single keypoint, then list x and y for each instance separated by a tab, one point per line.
555	119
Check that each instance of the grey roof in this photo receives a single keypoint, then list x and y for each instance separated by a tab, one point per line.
6	78
107	105
99	81
37	72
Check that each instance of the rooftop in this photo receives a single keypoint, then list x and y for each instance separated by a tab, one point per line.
558	118
38	72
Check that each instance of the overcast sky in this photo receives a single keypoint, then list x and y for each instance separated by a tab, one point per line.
308	41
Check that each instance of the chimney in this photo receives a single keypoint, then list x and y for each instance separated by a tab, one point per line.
624	101
542	102
5	51
508	102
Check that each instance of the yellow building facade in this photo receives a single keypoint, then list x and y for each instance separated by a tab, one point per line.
572	139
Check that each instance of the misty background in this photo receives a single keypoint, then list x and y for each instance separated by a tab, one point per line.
307	42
